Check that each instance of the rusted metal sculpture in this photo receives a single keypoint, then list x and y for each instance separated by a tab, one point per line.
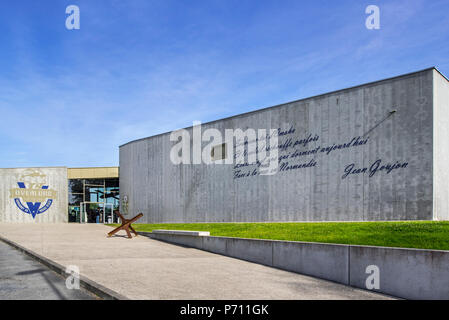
126	224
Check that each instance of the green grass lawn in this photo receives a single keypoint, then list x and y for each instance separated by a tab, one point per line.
416	234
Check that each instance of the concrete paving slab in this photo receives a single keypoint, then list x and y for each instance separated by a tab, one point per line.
143	268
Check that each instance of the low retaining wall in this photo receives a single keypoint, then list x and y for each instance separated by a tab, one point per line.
404	273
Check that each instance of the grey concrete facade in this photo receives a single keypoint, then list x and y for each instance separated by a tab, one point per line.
403	273
357	135
33	195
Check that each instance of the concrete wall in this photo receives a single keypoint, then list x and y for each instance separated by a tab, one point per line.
404	273
325	261
441	147
165	192
54	195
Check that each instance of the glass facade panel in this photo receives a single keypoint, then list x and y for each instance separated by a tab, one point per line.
76	186
97	196
75	199
112	183
94	182
93	193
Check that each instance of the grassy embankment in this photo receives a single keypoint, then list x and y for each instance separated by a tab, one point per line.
416	234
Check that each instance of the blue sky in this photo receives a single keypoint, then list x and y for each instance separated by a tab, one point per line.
138	68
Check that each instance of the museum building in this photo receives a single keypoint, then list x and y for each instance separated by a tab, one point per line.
374	152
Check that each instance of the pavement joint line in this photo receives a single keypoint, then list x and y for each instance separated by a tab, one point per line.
86	283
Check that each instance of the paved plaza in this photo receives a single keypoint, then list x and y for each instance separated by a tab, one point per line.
143	268
23	278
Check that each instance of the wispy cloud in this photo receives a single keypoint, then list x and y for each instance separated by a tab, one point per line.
140	68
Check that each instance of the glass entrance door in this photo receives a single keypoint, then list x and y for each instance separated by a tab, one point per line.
97	212
74	213
92	212
109	216
92	198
